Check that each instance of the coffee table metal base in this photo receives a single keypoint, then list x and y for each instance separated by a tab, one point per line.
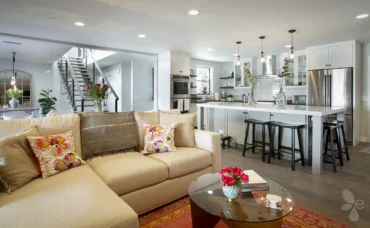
201	219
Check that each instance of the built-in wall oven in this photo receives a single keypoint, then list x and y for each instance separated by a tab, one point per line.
180	87
180	93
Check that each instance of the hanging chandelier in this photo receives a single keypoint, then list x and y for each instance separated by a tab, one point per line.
292	48
238	59
12	80
262	56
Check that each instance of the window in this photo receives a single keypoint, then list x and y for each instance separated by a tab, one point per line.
203	80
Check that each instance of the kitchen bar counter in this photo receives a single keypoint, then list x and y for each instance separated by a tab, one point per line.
316	114
288	109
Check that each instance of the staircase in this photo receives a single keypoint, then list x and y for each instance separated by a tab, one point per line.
76	75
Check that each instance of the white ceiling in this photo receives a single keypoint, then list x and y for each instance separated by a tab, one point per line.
122	57
167	25
31	50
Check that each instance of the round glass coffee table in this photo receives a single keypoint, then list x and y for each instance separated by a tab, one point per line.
209	205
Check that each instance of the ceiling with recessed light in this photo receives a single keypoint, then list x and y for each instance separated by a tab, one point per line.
31	50
168	25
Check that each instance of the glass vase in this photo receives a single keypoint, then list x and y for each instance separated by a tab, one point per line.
98	105
232	192
281	99
252	96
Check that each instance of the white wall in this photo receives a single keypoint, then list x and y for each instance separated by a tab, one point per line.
365	104
44	76
142	80
114	75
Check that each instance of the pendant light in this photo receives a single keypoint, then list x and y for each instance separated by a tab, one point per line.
292	48
12	81
238	60
262	56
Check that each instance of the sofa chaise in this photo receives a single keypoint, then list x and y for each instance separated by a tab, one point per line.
111	190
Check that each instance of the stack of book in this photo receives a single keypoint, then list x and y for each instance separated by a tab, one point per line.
256	182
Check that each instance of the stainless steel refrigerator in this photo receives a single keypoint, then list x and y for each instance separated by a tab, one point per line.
333	87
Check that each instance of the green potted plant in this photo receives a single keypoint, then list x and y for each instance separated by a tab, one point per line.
46	102
14	93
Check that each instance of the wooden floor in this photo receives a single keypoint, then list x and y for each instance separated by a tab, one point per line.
322	194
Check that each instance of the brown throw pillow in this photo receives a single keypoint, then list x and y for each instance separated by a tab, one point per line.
17	164
184	133
144	118
108	133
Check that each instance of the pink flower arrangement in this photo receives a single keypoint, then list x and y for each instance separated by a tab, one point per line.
98	91
233	176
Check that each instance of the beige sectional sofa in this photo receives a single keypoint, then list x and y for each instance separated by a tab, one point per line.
110	191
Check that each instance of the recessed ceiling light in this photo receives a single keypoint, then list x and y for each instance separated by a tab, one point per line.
210	49
288	46
193	12
362	16
79	23
141	35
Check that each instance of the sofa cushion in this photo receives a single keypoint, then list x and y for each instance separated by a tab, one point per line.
18	164
108	133
54	153
74	198
184	133
186	160
46	126
159	138
128	172
144	118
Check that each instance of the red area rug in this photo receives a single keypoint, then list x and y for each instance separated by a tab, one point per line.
178	215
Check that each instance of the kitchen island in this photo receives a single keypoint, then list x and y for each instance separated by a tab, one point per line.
289	114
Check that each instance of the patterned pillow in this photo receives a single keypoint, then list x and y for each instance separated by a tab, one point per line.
159	138
55	153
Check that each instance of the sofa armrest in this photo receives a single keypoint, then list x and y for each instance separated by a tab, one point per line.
211	142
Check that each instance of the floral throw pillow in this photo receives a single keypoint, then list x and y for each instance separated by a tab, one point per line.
55	153
159	138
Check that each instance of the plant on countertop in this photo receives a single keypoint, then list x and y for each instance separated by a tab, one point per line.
98	92
232	179
14	93
252	79
46	102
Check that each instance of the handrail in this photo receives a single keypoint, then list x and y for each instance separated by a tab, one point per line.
74	78
101	73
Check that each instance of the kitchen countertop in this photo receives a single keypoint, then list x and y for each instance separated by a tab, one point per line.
288	109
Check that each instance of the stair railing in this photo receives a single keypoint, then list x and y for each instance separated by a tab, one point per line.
64	71
75	83
97	68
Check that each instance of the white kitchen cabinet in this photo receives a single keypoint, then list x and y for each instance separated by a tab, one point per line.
341	56
318	58
330	57
180	64
300	68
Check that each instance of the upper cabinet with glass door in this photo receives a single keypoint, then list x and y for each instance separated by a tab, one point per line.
240	79
295	67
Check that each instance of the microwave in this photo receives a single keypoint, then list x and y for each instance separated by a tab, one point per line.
180	87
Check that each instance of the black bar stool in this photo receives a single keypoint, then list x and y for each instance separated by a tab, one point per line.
340	132
256	143
329	129
293	127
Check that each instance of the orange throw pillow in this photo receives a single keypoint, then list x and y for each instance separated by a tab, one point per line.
55	153
159	138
